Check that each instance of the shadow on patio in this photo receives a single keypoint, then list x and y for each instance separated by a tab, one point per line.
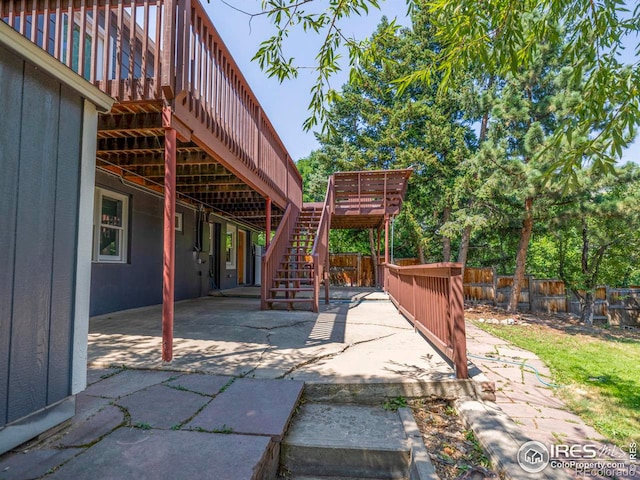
358	337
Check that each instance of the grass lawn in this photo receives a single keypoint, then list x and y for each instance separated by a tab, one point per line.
599	371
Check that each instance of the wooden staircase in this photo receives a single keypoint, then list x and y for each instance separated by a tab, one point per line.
295	278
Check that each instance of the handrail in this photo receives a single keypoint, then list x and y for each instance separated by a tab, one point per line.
431	297
276	250
320	250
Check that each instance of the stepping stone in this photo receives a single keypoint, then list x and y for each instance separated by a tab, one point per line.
251	406
154	454
170	407
204	384
126	382
34	463
346	441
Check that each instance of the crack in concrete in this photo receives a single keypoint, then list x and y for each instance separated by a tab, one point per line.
261	357
318	358
275	327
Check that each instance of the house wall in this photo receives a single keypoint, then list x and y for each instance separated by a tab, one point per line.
138	283
41	158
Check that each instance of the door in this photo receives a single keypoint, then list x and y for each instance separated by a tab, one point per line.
242	248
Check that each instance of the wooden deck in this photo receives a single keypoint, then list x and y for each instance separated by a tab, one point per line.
167	67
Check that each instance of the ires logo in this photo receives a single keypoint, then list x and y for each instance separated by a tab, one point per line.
563	452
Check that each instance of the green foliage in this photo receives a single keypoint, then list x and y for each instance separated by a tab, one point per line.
393	404
495	39
374	128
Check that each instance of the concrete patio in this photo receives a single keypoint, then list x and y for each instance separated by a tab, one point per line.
358	338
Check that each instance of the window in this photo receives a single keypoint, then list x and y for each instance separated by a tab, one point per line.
230	247
179	218
111	224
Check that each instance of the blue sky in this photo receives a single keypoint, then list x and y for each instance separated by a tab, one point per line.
286	103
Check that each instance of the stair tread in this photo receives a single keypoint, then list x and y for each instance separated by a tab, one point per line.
346	441
349	426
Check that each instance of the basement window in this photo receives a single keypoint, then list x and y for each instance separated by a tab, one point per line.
110	227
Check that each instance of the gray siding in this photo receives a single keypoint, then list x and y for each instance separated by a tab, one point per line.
138	283
40	158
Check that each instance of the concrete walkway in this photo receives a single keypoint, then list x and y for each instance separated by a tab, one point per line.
526	409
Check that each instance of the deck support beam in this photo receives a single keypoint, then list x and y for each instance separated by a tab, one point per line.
268	222
168	257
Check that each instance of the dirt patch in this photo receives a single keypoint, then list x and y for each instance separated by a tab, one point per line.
454	450
564	322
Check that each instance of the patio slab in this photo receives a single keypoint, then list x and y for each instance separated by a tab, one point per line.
171	407
94	428
153	454
200	383
126	382
34	463
251	406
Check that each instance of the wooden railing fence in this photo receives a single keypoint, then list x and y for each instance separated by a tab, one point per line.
431	298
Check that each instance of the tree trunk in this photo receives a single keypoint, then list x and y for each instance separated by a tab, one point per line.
464	246
466	232
421	254
374	256
521	257
587	309
446	241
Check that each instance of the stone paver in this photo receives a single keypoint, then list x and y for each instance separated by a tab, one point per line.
126	382
204	384
166	454
251	406
171	407
97	426
34	463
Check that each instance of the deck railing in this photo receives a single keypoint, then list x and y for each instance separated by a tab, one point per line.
320	250
276	251
154	50
219	97
431	297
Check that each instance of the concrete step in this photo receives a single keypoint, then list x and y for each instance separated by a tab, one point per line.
346	441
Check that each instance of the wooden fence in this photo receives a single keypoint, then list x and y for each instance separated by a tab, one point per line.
356	270
616	306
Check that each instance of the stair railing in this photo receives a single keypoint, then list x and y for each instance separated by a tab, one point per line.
276	251
320	251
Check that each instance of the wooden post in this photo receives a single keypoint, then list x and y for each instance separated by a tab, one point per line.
456	312
268	220
327	266
386	239
168	256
